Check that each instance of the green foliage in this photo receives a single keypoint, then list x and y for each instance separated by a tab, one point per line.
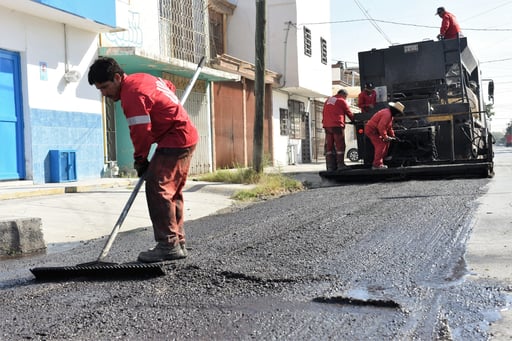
267	185
232	176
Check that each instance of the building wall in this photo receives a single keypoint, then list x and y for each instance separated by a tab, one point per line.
302	77
57	114
140	18
234	115
281	157
285	41
318	75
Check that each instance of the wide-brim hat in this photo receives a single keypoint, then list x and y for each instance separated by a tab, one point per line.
398	106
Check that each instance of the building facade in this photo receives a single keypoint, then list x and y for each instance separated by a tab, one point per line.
46	47
298	42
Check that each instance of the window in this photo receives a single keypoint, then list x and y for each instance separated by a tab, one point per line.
216	33
298	119
283	121
182	29
307	41
323	49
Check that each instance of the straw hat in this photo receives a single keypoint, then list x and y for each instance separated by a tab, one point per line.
398	106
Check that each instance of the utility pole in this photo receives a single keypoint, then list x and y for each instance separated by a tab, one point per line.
259	85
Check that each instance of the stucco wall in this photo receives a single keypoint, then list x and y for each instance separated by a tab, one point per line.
285	40
57	114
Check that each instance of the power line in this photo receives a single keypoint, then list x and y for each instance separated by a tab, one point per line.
407	24
489	10
372	21
496	60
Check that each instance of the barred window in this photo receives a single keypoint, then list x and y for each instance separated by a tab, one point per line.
284	121
297	117
323	49
183	29
216	33
307	41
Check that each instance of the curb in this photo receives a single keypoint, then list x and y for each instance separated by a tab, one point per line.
28	192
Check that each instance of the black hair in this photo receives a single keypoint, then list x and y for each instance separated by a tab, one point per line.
342	92
394	111
103	70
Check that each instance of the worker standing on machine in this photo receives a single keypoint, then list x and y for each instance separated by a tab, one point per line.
379	130
154	115
450	28
333	121
367	98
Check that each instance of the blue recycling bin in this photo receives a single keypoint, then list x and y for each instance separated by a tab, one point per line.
62	165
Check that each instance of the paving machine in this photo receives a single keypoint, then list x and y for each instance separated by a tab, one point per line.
444	130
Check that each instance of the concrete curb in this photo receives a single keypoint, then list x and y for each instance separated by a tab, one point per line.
25	191
21	236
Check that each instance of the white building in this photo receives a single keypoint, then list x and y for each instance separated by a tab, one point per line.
45	49
298	48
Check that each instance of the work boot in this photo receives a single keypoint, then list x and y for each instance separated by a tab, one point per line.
340	165
162	252
184	249
330	162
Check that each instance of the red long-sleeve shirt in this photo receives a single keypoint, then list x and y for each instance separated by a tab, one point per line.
155	114
449	26
366	100
381	123
335	109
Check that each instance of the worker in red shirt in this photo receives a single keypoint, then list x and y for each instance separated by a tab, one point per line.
367	98
154	115
450	29
333	121
379	130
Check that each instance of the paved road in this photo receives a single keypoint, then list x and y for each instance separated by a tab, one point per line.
377	261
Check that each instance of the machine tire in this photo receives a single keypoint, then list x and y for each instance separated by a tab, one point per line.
353	154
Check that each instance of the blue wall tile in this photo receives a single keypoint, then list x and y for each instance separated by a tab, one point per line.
58	130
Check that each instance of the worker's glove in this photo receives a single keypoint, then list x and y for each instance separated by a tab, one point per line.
141	166
389	138
440	37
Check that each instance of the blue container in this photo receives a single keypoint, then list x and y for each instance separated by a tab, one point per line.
62	165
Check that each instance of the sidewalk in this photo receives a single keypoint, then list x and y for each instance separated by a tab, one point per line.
26	188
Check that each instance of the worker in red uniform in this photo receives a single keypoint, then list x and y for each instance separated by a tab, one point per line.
450	29
379	130
154	115
367	98
333	121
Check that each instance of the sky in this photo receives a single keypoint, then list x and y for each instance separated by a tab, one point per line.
486	24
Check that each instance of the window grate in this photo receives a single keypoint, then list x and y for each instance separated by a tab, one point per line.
323	48
183	31
307	41
296	119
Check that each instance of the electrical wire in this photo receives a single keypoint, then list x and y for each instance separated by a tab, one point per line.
407	24
372	21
